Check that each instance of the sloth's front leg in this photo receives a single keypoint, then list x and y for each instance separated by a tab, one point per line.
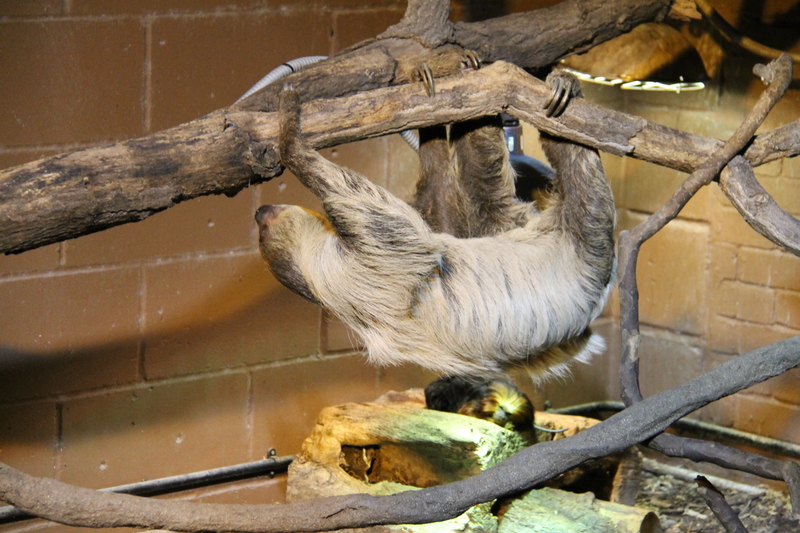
314	171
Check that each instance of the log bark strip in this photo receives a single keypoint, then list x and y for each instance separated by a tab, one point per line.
75	506
70	195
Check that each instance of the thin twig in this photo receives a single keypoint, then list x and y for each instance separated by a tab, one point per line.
720	507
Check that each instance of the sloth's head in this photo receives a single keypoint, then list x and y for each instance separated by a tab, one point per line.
289	240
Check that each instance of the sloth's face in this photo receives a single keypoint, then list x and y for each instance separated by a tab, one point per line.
287	234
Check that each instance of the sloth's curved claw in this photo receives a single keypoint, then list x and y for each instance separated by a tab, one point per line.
423	73
564	86
470	60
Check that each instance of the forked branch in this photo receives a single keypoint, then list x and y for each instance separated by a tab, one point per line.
778	75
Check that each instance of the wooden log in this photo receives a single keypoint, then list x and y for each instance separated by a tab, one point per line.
549	510
395	445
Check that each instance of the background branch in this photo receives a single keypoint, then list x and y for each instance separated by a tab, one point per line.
542	37
719	506
75	506
758	207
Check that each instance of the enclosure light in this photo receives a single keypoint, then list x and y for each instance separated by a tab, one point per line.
651	57
638	85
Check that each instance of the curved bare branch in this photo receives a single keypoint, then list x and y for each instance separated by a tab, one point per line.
71	505
542	37
778	74
758	207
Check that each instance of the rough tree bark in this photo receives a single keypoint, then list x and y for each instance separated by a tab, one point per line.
365	92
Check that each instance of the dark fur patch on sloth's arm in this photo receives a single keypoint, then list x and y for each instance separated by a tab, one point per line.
296	154
466	185
486	177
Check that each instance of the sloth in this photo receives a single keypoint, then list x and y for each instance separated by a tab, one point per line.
495	400
468	280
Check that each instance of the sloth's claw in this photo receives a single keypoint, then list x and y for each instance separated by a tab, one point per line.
470	60
565	86
423	73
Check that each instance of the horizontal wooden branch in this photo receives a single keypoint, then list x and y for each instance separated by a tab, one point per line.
70	195
75	506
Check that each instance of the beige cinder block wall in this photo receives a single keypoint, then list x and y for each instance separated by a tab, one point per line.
166	347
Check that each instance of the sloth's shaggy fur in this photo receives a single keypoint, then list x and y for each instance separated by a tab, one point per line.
486	283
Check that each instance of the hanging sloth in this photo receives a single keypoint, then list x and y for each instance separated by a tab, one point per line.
468	281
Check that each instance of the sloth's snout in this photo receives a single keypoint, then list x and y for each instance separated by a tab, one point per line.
266	213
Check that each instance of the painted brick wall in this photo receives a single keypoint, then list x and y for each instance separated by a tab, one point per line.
166	347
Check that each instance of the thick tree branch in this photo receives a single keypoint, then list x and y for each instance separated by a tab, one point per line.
70	505
426	21
533	40
66	196
542	37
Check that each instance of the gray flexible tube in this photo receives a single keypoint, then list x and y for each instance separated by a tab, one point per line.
281	72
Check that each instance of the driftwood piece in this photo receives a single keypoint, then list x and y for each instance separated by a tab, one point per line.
389	447
628	478
549	510
66	196
67	504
